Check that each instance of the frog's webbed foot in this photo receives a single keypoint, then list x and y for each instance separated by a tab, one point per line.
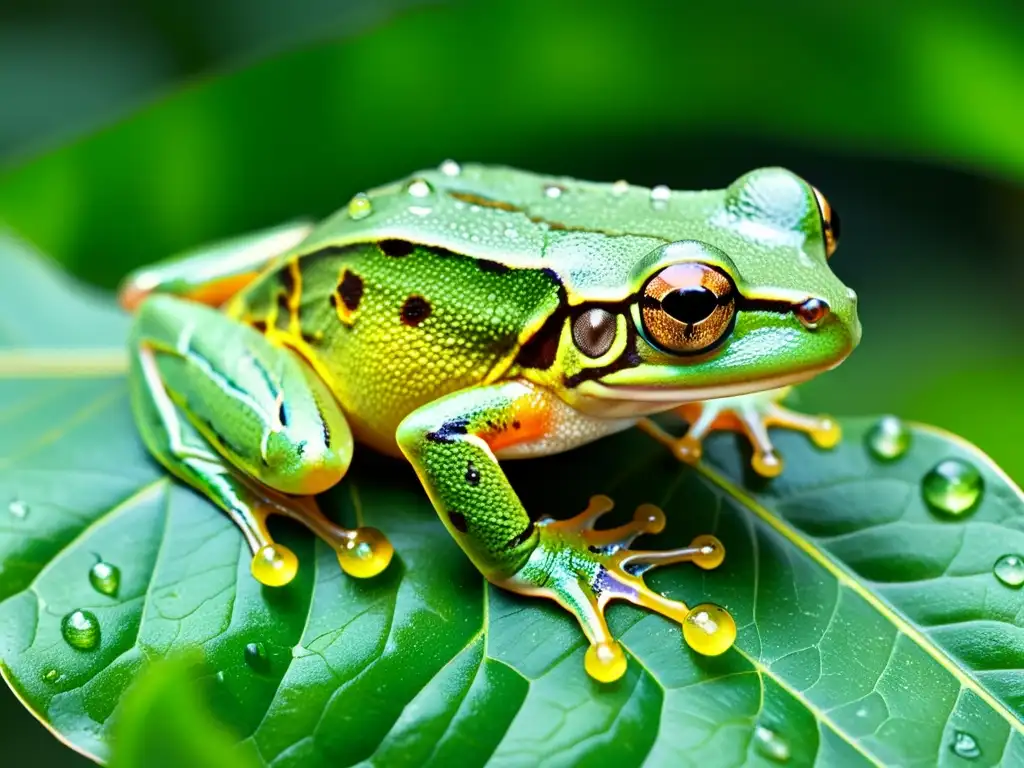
362	552
584	569
751	415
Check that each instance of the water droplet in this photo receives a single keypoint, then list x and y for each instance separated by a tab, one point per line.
105	578
419	210
965	745
952	486
620	187
450	168
660	195
553	191
359	207
81	630
51	676
769	744
18	509
256	657
511	234
419	188
888	439
1009	569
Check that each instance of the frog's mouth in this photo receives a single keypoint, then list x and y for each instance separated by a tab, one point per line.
682	395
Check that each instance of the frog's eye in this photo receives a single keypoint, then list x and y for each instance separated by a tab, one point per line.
688	308
594	332
829	223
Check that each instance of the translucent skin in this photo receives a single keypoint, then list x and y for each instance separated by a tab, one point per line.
439	319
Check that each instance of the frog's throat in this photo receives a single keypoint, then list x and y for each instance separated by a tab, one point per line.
682	395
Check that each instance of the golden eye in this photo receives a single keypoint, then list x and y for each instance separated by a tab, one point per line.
829	223
688	308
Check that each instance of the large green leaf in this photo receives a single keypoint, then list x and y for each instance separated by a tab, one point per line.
871	629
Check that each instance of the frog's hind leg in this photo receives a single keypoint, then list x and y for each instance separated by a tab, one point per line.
247	424
751	415
214	273
452	444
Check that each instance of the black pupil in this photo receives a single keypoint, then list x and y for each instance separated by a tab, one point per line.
834	224
690	305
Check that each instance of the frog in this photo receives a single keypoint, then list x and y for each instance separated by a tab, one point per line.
471	314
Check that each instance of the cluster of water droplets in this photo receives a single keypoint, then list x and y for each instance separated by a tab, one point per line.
952	489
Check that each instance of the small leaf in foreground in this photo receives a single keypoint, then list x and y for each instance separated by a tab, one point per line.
164	723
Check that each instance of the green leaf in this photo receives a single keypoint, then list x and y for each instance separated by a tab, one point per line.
164	723
872	629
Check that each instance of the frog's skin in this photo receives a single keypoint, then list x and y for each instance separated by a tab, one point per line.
466	315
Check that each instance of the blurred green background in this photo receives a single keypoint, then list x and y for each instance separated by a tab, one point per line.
129	130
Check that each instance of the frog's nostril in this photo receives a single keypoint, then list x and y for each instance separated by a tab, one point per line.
812	312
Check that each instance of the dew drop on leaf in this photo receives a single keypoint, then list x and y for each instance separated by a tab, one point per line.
359	207
256	657
105	578
769	744
952	487
1009	569
553	191
965	745
18	509
889	439
51	676
81	630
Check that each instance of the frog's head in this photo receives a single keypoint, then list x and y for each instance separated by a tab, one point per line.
749	304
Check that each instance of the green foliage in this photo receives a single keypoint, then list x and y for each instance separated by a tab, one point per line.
872	628
165	723
529	83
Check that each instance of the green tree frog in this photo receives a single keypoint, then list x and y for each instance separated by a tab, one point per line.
470	314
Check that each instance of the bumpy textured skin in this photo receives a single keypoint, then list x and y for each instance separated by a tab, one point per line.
390	333
436	314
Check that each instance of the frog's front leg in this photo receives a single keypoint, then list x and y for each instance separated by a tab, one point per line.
249	425
751	415
452	445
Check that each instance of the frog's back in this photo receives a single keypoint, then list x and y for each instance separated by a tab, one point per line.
391	325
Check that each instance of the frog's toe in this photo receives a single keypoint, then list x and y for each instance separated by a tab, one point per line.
584	569
751	415
362	552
